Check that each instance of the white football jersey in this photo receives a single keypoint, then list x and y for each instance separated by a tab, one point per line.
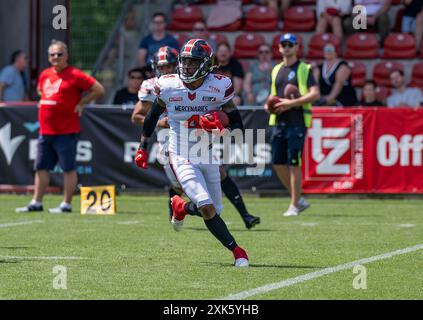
184	106
146	92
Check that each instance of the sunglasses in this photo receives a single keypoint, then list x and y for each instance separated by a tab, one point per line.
287	44
59	54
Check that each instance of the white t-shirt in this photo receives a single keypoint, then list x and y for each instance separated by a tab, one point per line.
372	6
411	96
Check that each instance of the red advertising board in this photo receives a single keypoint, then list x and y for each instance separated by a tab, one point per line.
364	150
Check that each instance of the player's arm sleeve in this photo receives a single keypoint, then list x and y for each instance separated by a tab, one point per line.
235	120
229	90
311	82
146	91
152	117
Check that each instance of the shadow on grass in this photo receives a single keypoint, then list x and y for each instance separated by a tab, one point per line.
342	215
16	247
231	229
8	261
255	265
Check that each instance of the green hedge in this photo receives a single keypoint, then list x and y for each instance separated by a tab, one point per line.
91	24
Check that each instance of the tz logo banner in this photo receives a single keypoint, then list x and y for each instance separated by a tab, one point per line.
334	148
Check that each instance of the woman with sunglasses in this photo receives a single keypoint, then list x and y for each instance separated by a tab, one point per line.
334	76
257	80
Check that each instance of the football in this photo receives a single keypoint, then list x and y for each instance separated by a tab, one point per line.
291	92
271	101
223	117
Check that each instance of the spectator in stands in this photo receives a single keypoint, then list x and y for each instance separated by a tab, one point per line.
369	95
403	96
199	31
12	84
230	67
280	6
411	10
257	80
334	76
330	13
377	16
224	12
158	38
129	94
60	108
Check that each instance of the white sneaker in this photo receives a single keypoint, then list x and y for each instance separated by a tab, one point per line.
302	205
63	208
241	262
176	224
292	211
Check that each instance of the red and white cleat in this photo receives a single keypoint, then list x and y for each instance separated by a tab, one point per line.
241	257
179	213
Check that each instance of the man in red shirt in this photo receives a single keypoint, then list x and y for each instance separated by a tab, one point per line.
60	108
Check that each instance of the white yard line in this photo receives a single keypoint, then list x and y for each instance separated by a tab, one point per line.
20	223
129	222
317	274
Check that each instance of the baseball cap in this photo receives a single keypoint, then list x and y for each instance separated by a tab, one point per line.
288	37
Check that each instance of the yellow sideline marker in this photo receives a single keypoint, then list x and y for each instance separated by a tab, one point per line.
98	200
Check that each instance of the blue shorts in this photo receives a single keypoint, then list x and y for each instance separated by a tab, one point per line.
287	144
53	149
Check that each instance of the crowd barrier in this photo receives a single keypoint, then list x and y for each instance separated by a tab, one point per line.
347	150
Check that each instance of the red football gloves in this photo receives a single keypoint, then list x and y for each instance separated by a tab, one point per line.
210	125
141	158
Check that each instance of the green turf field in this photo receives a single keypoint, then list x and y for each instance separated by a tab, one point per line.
137	255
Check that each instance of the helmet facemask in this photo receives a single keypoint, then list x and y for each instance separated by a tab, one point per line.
192	69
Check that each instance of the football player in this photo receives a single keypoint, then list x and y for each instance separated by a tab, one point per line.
186	97
165	62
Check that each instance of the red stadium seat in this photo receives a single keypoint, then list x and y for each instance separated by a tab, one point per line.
399	46
358	73
417	75
382	70
246	45
362	46
181	38
183	18
218	38
299	19
275	47
318	41
382	93
261	18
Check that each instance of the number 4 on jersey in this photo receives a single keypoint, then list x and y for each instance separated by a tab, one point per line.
193	122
